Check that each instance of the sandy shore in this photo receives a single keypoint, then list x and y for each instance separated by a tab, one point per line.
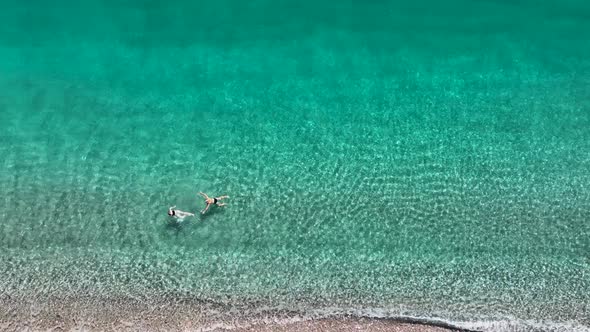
344	325
81	314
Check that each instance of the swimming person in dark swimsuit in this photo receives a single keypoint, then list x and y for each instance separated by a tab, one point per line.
212	201
173	212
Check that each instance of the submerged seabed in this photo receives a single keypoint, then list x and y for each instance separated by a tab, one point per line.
427	160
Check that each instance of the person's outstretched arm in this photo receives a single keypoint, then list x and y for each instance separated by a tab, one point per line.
204	195
205	209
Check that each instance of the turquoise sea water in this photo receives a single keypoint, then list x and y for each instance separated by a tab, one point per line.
426	159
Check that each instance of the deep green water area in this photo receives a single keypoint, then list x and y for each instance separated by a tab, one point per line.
419	158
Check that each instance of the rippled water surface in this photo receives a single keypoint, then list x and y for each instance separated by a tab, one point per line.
425	159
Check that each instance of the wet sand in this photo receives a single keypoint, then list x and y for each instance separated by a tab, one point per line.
88	314
343	324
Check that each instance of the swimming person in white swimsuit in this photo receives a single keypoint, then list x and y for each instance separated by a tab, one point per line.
172	212
212	201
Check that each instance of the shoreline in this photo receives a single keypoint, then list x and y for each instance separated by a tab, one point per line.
91	314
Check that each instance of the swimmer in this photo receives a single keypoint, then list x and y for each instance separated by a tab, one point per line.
172	212
212	201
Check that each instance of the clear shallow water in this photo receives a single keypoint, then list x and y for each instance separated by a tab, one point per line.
423	159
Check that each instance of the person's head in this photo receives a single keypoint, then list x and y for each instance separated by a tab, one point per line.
170	212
